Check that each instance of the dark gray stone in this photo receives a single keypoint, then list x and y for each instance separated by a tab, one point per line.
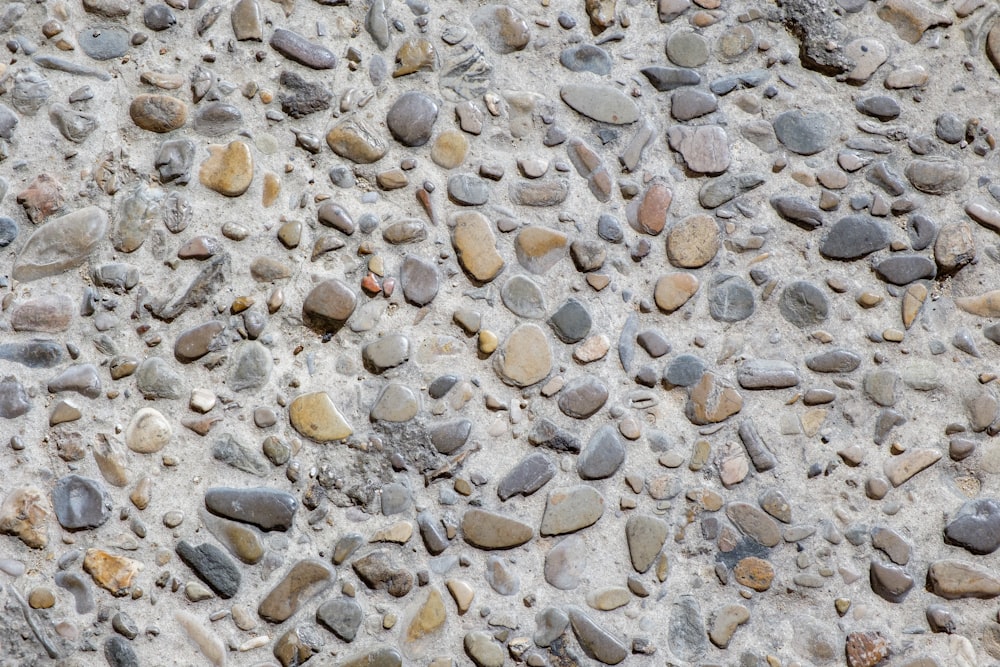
803	304
174	161
854	237
448	437
583	396
669	78
250	367
529	475
586	58
904	269
33	354
155	379
690	103
268	509
597	643
118	652
547	434
468	189
411	118
159	17
890	582
212	566
882	107
80	503
602	456
302	97
804	132
379	572
949	128
922	231
610	229
976	527
767	374
719	191
441	386
686	635
341	616
684	371
432	532
14	400
571	322
730	299
103	42
798	212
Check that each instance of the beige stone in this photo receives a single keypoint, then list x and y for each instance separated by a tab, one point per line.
228	169
315	416
526	356
475	246
673	290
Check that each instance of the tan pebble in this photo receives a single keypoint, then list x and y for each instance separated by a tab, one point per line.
608	598
429	617
449	149
592	349
41	598
893	335
901	468
201	400
272	188
315	416
868	299
398	533
673	290
111	572
389	621
755	573
148	431
462	592
228	169
487	341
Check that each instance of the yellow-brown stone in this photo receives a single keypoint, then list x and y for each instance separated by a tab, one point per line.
449	149
25	514
429	618
228	169
316	417
272	188
673	290
475	246
111	572
755	573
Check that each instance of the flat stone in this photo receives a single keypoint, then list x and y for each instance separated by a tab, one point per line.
529	475
882	386
304	581
501	577
711	401
582	397
379	572
727	620
419	280
328	306
538	248
103	42
396	403
805	132
156	379
936	175
111	572
910	19
604	104
976	527
250	368
686	48
230	451
798	211
803	304
216	119
385	353
61	244
955	580
158	113
341	616
905	269
571	322
194	343
541	192
670	78
597	643
299	49
25	514
475	246
212	566
767	374
586	58
265	508
242	541
550	624
890	582
854	237
483	649
247	21
14	399
901	468
755	573
705	149
602	456
693	242
838	360
525	358
80	503
228	169
645	536
489	530
690	103
411	118
468	190
450	149
730	299
684	370
571	509
566	563
353	140
686	637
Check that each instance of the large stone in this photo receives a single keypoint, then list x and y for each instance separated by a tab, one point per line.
711	401
341	616
80	503
355	141
953	580
263	507
112	572
61	244
212	566
645	536
854	237
571	509
25	514
601	103
597	642
976	527
705	149
602	456
315	416
489	530
411	118
158	113
228	169
328	306
805	132
304	580
525	357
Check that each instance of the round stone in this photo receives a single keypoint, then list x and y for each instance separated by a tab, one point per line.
103	42
148	432
158	113
684	371
730	299
693	242
673	290
523	297
525	357
228	169
80	503
805	133
411	118
449	149
687	49
803	304
328	306
586	58
316	417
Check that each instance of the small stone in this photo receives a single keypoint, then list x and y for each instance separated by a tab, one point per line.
687	49
449	149
148	432
586	58
80	503
597	643
315	416
468	190
378	572
645	536
413	56
483	649
582	397
936	175
767	374
247	21
693	242
572	509
754	573
355	141
212	566
901	468
602	456
341	616
111	572
687	638
475	246
396	403
890	582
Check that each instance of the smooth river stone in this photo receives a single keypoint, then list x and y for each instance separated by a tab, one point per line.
571	509
304	581
328	306
14	400
296	47
315	416
525	357
475	246
805	133
538	248
597	643
954	580
489	530
411	118
268	509
61	244
602	456
645	536
158	113
148	432
228	169
529	475
80	503
601	103
936	175
705	149
341	616
854	237
50	313
243	541
976	527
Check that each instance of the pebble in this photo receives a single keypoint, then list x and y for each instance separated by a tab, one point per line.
228	170
475	246
582	397
411	119
490	530
265	508
525	358
586	58
306	579
805	132
705	149
158	113
341	616
693	242
212	566
502	28
645	536
527	476
355	141
571	509
597	643
854	237
297	48
80	503
730	299
601	103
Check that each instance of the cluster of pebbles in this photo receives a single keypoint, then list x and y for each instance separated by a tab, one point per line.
381	333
